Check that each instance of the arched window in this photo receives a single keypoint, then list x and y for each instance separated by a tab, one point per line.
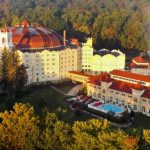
94	94
9	40
111	99
3	40
99	95
143	109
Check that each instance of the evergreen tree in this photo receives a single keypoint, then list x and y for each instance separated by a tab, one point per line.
14	76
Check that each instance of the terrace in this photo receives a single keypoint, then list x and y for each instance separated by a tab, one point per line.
111	112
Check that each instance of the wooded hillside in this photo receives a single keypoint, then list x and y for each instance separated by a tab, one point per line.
111	23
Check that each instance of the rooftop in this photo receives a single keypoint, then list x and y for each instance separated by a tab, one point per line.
103	52
120	85
130	75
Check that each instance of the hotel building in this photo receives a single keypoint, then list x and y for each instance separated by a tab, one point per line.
46	55
101	61
140	66
122	88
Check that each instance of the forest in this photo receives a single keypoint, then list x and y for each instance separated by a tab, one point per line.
22	129
116	24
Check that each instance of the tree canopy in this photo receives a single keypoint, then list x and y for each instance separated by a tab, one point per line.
111	23
22	129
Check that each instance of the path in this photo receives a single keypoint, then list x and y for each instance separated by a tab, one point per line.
72	92
53	87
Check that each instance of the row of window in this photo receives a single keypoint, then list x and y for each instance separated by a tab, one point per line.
122	103
127	79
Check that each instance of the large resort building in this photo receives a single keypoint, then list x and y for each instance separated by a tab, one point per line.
102	60
46	55
122	88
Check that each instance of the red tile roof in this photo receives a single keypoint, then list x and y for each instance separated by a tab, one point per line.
130	75
139	59
74	41
24	36
133	65
121	85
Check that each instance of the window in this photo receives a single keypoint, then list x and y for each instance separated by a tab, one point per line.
94	94
135	99
143	109
111	99
9	40
144	100
3	40
99	95
103	98
135	107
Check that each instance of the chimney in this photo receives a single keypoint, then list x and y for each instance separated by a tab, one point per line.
64	38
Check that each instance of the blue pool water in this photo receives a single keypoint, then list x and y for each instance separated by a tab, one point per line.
110	107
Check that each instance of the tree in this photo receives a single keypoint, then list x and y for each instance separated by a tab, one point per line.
18	128
4	68
14	75
21	79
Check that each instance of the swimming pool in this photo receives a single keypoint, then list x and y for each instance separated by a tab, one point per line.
109	107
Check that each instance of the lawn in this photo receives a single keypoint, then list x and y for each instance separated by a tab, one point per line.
52	100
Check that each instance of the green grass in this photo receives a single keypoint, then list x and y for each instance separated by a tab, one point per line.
52	100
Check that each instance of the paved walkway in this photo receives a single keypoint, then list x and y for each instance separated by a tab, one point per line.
73	92
53	87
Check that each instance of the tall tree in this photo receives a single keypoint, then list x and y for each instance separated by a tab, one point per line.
14	76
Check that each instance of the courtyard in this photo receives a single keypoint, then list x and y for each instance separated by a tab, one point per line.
52	100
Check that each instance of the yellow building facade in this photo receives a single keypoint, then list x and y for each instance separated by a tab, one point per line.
75	76
51	65
102	60
124	94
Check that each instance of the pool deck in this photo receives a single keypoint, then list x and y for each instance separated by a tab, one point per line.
124	125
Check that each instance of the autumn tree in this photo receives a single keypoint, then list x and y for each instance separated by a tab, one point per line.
18	128
21	129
